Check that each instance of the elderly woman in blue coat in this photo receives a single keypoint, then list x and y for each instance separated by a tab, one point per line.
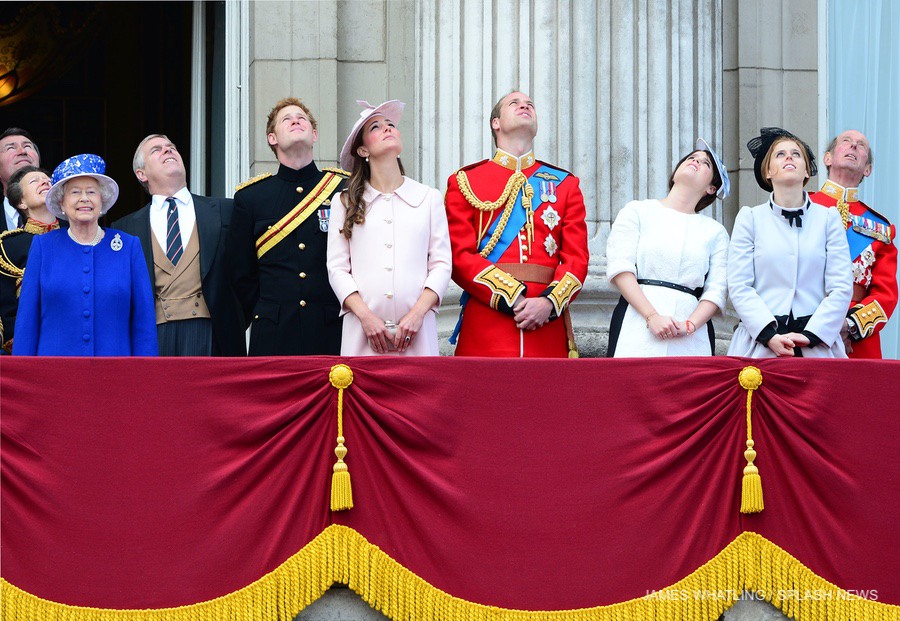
85	291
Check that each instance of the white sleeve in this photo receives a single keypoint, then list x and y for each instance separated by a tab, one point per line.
716	287
338	255
622	244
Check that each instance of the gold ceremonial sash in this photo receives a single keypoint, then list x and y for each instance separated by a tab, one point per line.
298	215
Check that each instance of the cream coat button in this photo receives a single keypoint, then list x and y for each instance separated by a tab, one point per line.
302	302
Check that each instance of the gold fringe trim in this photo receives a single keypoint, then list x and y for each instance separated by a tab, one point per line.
341	555
750	378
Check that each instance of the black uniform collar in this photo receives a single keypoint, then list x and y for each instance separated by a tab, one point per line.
310	172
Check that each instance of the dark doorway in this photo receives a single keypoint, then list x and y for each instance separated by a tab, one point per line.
96	77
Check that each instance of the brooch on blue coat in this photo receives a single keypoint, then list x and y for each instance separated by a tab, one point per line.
116	243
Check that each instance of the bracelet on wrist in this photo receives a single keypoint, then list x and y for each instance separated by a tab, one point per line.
647	318
690	327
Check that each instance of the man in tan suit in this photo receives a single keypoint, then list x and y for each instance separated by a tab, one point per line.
183	238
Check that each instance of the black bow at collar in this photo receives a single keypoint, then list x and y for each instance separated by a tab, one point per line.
794	217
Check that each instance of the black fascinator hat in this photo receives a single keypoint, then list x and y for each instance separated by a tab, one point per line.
760	145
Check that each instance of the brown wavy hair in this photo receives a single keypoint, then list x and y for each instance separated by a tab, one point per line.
352	195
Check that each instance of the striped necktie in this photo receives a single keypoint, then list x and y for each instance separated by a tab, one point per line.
174	249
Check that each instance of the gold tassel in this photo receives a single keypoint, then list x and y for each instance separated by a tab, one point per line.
573	349
750	379
341	492
529	211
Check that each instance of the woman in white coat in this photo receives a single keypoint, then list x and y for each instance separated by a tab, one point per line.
789	271
668	261
388	244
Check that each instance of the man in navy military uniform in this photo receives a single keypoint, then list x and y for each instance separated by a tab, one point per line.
278	241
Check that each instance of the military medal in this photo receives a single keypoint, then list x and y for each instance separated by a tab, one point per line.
116	243
550	245
548	192
550	217
323	219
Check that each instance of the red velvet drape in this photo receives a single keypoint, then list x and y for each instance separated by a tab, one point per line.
529	484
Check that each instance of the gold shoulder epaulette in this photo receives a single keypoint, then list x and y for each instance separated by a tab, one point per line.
11	233
7	267
337	171
251	181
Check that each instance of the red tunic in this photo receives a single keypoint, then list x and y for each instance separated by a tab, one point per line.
874	273
559	244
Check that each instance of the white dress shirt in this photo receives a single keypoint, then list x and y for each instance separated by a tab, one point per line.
11	214
186	217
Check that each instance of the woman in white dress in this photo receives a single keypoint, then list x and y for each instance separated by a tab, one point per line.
789	272
388	244
668	262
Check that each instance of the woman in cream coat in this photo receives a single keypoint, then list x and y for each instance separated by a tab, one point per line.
789	272
388	245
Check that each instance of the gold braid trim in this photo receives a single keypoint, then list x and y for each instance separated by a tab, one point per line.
512	188
7	267
340	554
507	198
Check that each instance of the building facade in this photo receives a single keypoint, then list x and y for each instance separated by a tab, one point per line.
623	89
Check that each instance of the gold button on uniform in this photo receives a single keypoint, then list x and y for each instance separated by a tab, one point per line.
302	302
302	246
302	274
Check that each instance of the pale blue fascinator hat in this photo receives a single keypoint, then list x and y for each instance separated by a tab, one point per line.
725	188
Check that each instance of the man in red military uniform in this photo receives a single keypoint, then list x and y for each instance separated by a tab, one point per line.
519	244
872	244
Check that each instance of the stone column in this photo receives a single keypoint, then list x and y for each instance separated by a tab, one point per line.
330	53
771	79
622	88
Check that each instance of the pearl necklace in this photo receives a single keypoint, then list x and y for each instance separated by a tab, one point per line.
94	242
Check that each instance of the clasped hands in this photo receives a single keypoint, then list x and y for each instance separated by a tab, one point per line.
665	327
782	345
531	313
382	339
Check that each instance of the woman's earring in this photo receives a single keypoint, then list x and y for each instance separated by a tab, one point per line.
367	159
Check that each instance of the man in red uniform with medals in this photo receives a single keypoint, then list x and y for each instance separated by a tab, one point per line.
519	240
872	244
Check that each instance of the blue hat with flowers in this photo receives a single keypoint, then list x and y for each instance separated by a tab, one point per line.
84	165
725	188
